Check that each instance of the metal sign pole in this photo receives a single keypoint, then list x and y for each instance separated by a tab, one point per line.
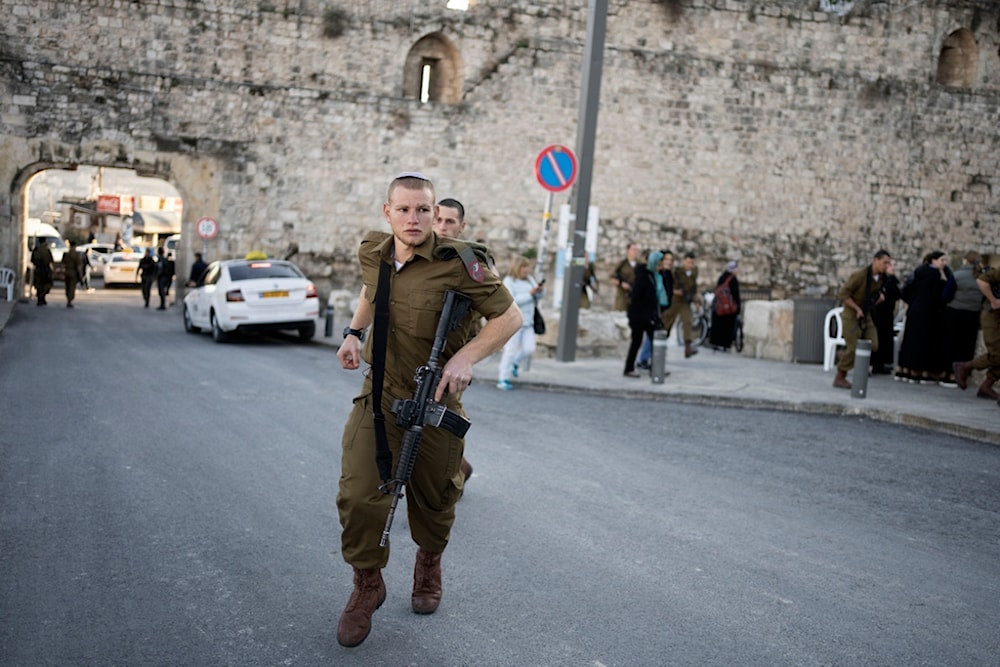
543	240
593	60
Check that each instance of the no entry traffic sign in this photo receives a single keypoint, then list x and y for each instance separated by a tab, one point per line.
555	168
207	228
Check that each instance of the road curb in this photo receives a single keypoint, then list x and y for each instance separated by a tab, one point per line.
806	407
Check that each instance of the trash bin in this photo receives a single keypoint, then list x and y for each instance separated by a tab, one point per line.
808	318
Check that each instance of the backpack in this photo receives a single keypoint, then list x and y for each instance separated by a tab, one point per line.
725	304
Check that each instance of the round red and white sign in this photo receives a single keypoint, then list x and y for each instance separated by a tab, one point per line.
207	228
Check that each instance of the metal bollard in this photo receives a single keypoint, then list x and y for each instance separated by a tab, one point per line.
659	356
862	360
328	332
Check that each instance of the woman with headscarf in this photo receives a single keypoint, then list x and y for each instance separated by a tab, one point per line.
648	296
724	326
922	354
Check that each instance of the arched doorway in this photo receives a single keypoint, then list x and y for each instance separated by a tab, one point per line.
957	60
95	206
433	71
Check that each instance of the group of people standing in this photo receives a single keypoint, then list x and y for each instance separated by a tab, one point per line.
945	310
655	294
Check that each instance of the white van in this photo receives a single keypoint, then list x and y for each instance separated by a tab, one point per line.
170	246
40	232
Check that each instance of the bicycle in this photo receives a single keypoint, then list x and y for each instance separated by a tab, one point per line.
701	323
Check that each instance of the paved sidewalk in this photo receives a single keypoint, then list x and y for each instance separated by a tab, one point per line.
716	378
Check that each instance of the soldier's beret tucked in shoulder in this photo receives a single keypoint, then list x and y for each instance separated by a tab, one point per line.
476	257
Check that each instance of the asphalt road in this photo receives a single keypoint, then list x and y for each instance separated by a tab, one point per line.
165	500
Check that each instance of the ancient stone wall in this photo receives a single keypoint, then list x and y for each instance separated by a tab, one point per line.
793	139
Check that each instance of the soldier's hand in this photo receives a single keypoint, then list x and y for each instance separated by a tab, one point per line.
350	353
456	376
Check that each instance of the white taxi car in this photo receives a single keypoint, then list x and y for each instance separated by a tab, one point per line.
122	268
252	295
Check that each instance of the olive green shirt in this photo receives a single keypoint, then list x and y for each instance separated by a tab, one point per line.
416	299
855	289
688	284
992	277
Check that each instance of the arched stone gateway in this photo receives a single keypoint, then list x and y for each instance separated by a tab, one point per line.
796	137
197	179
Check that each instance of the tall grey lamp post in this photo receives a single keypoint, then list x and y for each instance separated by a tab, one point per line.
590	94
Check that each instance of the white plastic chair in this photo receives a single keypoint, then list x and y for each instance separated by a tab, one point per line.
7	277
833	335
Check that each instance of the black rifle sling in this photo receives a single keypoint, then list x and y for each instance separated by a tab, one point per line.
380	339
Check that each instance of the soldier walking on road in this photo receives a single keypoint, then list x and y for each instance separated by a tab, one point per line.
41	257
859	296
164	277
71	275
405	275
450	224
147	275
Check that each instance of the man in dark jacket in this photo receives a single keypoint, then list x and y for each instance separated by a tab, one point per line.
147	274
164	276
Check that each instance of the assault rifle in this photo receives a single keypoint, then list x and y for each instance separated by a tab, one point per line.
414	413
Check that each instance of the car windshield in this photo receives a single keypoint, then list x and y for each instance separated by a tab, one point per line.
263	269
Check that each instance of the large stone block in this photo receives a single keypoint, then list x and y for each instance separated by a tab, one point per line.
767	330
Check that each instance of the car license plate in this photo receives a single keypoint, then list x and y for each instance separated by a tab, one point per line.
273	294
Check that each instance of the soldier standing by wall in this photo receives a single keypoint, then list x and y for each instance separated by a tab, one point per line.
409	271
859	295
685	292
624	275
989	285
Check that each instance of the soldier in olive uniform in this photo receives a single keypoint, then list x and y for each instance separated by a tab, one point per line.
41	257
72	266
859	295
420	267
685	292
989	285
624	275
450	224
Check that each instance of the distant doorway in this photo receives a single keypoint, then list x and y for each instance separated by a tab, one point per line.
957	61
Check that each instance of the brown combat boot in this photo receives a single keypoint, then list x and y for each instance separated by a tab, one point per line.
356	621
840	380
962	371
986	388
426	582
689	350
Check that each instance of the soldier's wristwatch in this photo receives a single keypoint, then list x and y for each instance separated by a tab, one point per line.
360	333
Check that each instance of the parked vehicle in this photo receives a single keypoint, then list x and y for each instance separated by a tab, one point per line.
98	254
252	295
170	246
122	268
40	232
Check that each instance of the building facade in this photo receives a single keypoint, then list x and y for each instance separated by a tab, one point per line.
797	136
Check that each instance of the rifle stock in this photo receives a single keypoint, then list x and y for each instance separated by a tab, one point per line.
415	413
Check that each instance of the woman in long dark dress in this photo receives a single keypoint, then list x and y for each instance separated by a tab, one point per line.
922	354
724	326
644	307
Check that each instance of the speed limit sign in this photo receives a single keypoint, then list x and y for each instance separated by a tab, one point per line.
208	228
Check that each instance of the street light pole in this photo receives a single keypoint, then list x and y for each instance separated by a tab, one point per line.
590	94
